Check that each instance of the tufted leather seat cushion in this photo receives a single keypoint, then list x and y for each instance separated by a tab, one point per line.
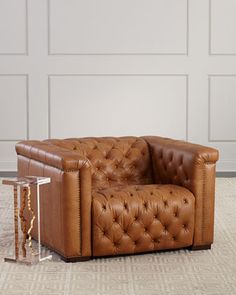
140	218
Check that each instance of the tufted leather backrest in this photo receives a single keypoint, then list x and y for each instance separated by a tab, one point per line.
114	161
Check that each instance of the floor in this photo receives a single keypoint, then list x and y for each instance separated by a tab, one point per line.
176	272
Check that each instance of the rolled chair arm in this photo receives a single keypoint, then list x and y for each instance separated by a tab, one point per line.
52	155
191	166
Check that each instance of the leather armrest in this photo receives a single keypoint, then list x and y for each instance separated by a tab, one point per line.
174	160
52	155
191	166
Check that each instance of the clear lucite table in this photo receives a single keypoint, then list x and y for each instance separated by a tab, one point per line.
26	250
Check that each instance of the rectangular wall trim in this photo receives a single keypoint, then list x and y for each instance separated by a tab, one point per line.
116	75
26	36
210	139
27	107
210	36
185	53
121	46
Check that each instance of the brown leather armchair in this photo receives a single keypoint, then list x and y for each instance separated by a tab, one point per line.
113	196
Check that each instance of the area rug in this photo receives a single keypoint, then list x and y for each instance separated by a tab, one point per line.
180	272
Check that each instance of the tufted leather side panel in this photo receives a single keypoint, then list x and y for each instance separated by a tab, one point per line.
191	166
65	207
140	218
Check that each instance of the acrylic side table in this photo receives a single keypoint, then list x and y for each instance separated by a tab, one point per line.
22	202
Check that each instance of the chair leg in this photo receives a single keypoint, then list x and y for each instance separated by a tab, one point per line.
76	259
201	247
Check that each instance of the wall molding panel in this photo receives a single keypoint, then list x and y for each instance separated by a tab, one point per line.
123	80
13	109
6	29
225	113
136	67
118	51
225	30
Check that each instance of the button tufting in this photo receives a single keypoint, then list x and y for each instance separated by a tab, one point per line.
185	201
144	218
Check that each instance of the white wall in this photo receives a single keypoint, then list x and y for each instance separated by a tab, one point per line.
118	67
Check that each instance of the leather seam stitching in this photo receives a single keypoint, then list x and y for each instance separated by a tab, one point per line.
203	203
62	216
79	215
